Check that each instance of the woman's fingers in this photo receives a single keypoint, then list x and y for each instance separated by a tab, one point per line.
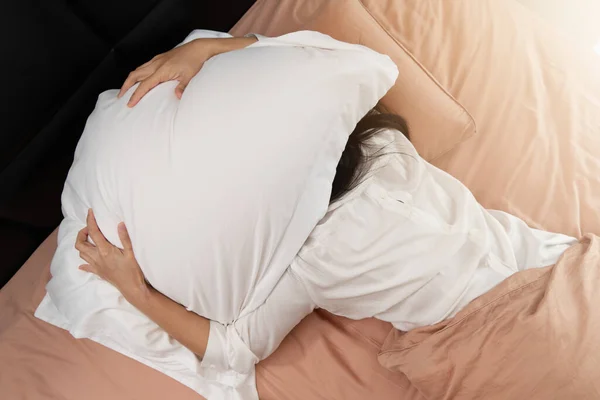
144	65
95	233
87	251
144	87
131	80
134	77
184	80
125	239
81	243
81	239
87	268
180	88
87	257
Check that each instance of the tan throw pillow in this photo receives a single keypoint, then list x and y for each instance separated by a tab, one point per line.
438	123
535	337
535	98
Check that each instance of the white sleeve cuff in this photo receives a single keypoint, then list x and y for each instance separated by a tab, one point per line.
214	356
258	36
204	34
226	351
308	39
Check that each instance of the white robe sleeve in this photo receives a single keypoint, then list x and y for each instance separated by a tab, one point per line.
237	347
532	248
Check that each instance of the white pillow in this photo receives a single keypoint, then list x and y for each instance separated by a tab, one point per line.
219	190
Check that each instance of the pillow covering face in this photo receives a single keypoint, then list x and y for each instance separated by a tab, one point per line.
218	190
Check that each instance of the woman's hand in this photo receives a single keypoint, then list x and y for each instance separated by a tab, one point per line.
181	63
120	268
116	266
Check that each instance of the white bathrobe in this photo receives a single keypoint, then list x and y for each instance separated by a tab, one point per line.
410	245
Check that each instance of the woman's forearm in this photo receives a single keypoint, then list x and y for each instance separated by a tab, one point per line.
224	45
188	328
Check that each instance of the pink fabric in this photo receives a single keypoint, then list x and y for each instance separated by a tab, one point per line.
40	361
437	121
534	336
536	102
535	98
325	357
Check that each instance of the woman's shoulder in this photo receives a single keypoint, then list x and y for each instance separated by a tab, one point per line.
394	166
363	212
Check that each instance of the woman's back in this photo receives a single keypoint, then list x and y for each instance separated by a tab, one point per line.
411	245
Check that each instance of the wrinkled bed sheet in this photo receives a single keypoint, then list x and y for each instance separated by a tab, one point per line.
39	361
534	336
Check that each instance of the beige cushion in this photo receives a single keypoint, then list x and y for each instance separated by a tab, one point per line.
535	337
535	98
437	122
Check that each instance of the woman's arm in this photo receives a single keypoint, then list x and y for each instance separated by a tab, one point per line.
258	334
179	64
121	269
237	346
187	327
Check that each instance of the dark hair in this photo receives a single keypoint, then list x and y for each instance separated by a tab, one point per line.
355	163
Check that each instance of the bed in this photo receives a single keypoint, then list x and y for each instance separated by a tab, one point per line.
40	361
514	114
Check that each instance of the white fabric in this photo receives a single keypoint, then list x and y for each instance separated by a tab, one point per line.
218	191
410	245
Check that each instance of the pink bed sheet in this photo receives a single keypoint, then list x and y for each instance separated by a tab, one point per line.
534	337
39	361
532	123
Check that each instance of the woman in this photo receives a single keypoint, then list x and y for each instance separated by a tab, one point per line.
402	241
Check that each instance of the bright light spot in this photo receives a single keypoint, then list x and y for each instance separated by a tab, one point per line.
597	47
